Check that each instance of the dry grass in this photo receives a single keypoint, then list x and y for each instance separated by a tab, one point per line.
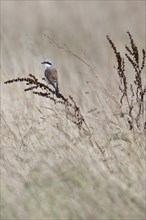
50	169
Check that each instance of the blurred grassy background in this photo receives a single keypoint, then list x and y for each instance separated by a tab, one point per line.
50	170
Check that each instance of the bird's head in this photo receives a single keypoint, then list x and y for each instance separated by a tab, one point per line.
47	63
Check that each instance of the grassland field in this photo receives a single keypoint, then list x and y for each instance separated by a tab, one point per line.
49	168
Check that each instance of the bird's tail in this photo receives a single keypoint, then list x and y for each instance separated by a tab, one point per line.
56	90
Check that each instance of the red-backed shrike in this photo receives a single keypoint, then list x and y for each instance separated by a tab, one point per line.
51	75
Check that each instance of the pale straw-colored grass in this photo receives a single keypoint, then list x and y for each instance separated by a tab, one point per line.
50	169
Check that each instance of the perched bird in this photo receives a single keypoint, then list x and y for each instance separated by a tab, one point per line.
51	75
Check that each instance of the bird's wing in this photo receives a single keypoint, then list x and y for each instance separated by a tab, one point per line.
51	74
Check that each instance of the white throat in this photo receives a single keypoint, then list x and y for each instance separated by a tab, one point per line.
47	65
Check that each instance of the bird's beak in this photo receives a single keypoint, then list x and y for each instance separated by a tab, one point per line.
42	62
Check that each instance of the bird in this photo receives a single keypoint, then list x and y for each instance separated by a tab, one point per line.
51	75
